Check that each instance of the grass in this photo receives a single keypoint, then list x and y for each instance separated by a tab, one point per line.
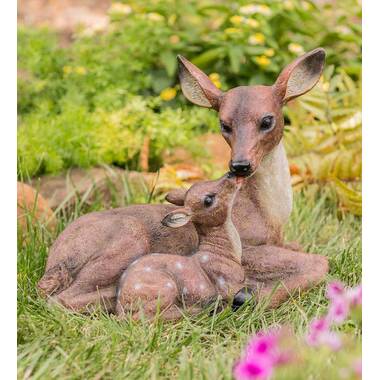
54	343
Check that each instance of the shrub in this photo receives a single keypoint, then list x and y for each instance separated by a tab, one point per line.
77	137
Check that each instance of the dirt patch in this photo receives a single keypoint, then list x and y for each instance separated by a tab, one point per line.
64	16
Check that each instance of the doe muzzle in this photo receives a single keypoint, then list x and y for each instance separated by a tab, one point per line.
241	168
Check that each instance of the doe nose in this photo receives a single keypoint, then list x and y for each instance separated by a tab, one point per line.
240	168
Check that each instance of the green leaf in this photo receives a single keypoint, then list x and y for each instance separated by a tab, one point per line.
235	54
168	59
208	56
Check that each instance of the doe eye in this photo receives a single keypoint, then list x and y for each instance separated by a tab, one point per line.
208	200
225	128
267	123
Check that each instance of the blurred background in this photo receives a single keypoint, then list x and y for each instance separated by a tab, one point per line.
101	113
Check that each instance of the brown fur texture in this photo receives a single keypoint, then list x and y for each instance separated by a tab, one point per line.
89	256
173	282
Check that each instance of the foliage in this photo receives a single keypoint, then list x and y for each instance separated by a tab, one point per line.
77	137
103	98
324	138
244	43
53	343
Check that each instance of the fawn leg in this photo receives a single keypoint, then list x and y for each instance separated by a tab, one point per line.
266	265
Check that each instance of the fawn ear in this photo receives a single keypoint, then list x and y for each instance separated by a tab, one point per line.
177	218
196	85
176	196
301	75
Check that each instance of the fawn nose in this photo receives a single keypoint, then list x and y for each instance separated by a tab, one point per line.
241	168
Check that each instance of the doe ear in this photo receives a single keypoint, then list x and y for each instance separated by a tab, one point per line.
197	86
176	196
301	75
177	218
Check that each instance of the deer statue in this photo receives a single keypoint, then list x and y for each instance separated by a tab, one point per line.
172	281
88	258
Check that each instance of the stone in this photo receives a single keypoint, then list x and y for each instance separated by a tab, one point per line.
32	204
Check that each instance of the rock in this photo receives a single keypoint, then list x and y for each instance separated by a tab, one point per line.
34	205
217	153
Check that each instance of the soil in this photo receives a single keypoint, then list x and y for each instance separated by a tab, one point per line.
64	16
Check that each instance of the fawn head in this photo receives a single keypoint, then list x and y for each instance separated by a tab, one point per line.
206	203
251	118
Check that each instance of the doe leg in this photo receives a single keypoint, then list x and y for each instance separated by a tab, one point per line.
266	265
85	302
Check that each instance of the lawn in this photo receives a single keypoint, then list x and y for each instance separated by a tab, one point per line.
54	343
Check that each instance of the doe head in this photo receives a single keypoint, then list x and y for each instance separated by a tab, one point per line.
251	118
207	203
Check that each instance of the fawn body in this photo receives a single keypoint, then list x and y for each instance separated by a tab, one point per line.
88	258
173	281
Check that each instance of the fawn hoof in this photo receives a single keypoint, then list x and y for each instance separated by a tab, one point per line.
243	295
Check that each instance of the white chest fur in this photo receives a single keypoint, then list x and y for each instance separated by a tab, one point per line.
273	183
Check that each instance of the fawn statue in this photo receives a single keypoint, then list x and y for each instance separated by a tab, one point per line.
173	281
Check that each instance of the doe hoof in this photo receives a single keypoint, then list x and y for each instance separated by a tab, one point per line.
243	295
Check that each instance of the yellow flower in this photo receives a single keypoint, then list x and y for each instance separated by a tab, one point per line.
288	5
250	9
153	16
296	48
252	23
306	5
343	29
269	52
172	19
257	39
168	94
80	70
236	20
264	10
120	8
325	86
215	78
67	70
231	30
174	39
262	61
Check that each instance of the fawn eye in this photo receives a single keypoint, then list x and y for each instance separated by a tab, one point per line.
225	128
208	200
267	123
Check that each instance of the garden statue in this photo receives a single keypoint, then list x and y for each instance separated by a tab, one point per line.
88	258
171	282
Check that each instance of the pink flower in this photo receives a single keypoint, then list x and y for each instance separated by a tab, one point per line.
358	367
354	296
262	344
339	310
342	300
263	355
320	334
254	368
335	289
